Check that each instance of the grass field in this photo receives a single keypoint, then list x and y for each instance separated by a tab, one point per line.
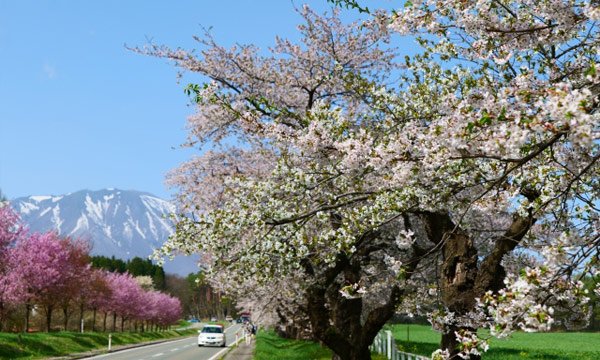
550	346
269	346
43	345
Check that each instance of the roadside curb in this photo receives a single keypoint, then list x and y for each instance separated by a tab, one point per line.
235	353
118	348
96	352
232	347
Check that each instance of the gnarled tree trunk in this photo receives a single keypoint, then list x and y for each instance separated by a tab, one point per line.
464	276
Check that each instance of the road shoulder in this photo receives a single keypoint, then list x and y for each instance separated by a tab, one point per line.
242	352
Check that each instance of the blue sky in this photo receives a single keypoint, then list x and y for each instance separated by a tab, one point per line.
80	111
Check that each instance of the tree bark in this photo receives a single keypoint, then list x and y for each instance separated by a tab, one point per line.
94	320
463	278
339	325
27	310
1	316
49	310
81	310
66	318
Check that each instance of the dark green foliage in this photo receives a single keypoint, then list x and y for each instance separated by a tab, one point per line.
111	264
590	285
140	267
158	277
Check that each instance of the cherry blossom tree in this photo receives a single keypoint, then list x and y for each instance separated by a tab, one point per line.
96	294
50	269
466	191
126	297
10	232
160	308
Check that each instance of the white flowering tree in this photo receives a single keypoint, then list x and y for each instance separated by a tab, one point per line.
466	190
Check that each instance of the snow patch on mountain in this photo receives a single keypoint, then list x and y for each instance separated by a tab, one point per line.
81	225
56	219
27	208
40	198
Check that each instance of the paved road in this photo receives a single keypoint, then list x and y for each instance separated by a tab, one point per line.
185	349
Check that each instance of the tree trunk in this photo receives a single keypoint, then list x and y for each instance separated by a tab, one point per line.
49	310
27	310
459	272
114	323
80	316
339	326
94	320
66	320
1	316
465	277
104	324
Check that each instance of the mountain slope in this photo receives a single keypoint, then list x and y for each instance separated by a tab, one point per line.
117	222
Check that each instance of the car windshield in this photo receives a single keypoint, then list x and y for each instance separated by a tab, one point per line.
212	330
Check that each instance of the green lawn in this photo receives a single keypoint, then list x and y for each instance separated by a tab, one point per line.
43	345
269	346
551	346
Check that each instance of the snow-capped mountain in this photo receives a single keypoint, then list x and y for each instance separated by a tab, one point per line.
123	223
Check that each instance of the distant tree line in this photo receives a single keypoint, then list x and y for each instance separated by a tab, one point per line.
135	266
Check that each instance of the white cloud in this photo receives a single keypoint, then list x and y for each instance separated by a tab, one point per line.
50	71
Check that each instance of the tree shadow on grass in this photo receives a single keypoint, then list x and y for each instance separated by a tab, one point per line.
12	352
84	342
415	347
27	347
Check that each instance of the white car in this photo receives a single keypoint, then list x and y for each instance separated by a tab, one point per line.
211	335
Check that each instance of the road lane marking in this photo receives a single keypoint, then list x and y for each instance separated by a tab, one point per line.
115	352
174	349
157	355
224	351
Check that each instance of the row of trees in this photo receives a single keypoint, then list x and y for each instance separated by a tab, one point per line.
46	272
455	179
135	266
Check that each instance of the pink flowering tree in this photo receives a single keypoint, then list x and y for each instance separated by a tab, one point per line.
96	294
11	231
50	269
77	274
467	191
160	309
127	298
